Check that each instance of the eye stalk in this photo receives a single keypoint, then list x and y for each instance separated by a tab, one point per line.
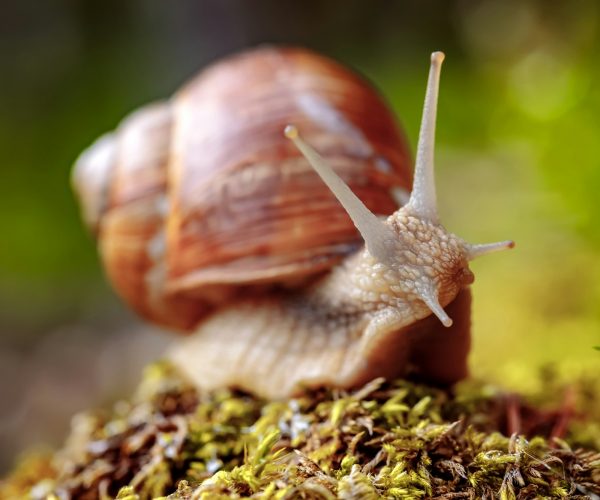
378	237
412	240
423	200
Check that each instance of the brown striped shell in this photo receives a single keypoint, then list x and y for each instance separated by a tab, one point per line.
200	199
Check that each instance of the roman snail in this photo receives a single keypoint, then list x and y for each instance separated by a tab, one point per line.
211	221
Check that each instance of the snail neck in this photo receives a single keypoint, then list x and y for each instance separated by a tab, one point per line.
361	288
424	270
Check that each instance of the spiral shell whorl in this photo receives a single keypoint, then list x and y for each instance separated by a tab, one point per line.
91	179
121	181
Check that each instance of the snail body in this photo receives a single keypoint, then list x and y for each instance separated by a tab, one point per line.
221	228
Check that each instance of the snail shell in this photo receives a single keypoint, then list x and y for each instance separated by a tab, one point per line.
201	199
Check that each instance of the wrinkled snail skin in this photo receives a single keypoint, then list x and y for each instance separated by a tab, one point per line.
364	320
272	321
326	336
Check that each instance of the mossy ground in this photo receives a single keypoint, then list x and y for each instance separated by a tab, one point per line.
385	440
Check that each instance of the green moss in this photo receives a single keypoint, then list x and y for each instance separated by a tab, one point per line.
384	440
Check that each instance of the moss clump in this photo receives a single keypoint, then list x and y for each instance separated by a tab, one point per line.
385	440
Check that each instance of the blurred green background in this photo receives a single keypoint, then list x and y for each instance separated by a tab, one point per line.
518	157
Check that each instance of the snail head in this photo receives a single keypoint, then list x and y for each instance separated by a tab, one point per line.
420	259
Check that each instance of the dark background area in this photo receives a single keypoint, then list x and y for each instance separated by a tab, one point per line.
518	156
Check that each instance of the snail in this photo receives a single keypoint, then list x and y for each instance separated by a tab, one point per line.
211	220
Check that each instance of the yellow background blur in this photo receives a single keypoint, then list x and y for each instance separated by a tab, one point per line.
518	157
